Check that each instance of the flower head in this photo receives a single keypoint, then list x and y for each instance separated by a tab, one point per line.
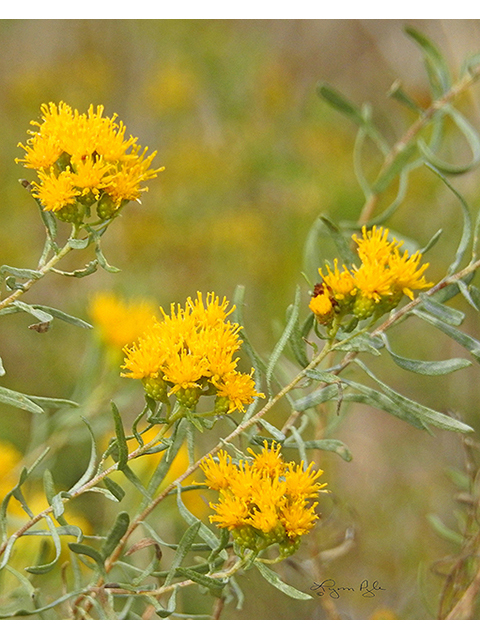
84	158
264	502
371	288
191	351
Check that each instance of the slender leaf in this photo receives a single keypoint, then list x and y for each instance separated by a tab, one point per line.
45	568
183	548
472	138
114	488
441	311
427	368
19	400
400	162
341	103
65	317
90	470
435	58
214	585
278	435
467	222
279	347
204	532
2	369
86	550
445	532
471	344
116	534
413	411
36	312
53	403
342	245
271	577
317	397
24	274
122	446
336	446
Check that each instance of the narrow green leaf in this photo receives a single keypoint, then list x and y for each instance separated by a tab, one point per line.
278	435
432	55
61	315
165	463
86	550
215	585
121	439
467	222
400	162
271	577
90	470
397	92
336	446
184	546
114	488
341	243
24	274
472	138
449	315
171	606
135	480
203	531
432	242
35	312
322	376
45	568
116	534
471	344
360	343
53	403
27	585
279	347
317	397
21	613
443	531
341	103
421	414
79	243
102	261
297	342
19	400
427	368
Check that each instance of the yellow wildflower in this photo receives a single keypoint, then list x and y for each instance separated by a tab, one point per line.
238	388
264	502
341	284
191	350
406	273
269	460
321	305
374	245
55	192
85	158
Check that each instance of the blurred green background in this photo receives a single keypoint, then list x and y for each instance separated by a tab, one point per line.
252	157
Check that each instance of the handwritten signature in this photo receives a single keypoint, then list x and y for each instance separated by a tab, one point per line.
329	588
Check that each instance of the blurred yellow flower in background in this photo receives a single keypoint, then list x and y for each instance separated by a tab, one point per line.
119	322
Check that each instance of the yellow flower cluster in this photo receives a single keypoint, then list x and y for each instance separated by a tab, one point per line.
189	353
374	287
83	159
265	502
